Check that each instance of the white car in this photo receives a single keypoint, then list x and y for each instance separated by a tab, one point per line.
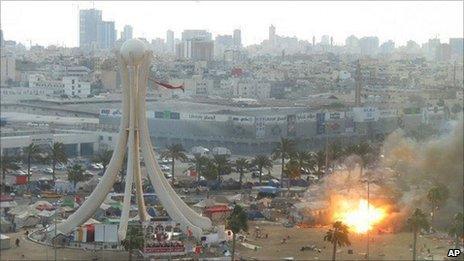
20	173
48	170
60	167
99	165
96	166
164	167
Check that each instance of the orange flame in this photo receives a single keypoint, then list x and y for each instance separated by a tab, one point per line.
359	216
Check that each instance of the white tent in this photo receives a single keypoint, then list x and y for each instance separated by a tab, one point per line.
26	219
5	242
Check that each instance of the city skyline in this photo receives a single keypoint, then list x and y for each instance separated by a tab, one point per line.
385	20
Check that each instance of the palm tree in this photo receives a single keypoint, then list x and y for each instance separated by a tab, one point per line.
456	229
200	164
237	221
283	151
437	195
336	151
262	162
209	169
174	152
134	239
303	159
241	164
8	163
103	157
292	171
32	152
317	163
337	235
222	165
76	174
417	221
57	156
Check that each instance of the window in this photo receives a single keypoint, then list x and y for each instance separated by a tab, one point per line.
72	81
110	138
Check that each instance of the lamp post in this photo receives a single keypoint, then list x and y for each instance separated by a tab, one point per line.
57	208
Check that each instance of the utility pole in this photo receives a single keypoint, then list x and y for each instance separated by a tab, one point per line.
368	216
54	239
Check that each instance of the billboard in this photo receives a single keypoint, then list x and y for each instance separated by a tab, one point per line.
320	123
291	125
365	114
260	125
111	112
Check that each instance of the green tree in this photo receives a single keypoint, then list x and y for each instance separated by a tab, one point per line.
134	239
76	174
417	221
437	196
103	157
364	150
262	162
222	164
292	171
57	156
241	164
456	230
317	163
302	159
337	236
283	151
200	165
8	163
336	151
237	221
174	152
31	152
209	170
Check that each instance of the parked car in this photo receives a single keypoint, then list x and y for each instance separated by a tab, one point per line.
60	167
48	170
165	168
20	173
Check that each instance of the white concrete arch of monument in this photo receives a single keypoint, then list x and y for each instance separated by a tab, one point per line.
98	195
179	211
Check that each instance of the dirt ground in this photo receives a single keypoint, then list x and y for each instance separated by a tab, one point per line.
382	247
34	251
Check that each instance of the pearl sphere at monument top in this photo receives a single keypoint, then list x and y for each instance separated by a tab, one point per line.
133	51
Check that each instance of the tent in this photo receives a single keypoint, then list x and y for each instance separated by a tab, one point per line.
5	226
43	205
64	186
26	219
152	212
5	242
69	202
255	215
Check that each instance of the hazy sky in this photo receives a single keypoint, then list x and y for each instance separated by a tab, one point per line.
57	22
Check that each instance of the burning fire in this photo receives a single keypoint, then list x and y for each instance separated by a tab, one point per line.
358	215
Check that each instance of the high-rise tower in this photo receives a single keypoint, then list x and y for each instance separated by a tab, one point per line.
358	85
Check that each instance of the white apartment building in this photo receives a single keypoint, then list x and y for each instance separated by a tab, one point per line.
70	86
74	87
253	89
